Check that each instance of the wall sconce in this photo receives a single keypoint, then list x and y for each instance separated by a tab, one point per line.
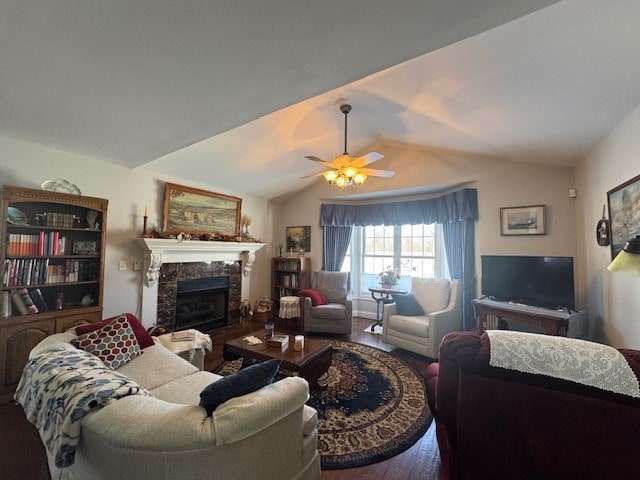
628	260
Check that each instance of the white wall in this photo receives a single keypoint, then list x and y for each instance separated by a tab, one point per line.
613	299
500	183
128	191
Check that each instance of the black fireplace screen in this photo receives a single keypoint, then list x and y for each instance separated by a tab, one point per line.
202	303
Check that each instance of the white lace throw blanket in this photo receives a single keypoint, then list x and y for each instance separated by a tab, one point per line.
570	359
200	340
59	387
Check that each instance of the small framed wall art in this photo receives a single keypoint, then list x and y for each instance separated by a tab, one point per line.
194	211
525	220
298	239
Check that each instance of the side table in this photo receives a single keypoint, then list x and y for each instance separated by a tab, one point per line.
290	309
191	350
384	297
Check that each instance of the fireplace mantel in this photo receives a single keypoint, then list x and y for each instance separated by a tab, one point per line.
165	250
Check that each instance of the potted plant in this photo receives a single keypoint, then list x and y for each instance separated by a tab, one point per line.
389	277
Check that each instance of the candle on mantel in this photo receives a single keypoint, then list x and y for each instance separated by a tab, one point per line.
145	210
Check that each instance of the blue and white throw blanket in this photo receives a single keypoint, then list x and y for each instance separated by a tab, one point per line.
59	387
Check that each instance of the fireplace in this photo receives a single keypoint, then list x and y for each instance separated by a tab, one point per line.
168	261
201	295
202	303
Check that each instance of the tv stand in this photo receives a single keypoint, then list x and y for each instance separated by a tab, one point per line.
492	313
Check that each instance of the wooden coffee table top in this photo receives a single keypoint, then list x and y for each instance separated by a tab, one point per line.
291	360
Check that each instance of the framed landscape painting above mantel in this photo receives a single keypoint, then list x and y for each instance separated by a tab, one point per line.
197	212
526	220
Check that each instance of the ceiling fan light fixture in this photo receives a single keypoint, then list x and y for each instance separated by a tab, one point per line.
344	159
347	170
358	179
341	181
350	171
330	176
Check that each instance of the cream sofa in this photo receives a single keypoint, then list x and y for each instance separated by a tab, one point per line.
267	434
441	303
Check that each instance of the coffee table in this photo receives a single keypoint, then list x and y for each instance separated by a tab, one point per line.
310	363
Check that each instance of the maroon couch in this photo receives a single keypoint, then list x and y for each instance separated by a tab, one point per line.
495	423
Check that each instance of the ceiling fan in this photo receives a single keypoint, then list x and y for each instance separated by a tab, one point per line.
348	170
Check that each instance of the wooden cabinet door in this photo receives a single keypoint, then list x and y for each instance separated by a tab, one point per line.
16	341
64	323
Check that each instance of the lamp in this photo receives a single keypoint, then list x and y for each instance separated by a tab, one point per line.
628	260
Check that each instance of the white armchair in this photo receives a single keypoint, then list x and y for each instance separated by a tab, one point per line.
418	326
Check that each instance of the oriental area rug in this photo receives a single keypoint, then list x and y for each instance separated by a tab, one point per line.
374	406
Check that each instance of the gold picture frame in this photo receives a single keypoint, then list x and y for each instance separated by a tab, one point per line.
199	212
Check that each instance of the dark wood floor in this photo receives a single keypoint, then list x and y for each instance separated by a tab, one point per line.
22	454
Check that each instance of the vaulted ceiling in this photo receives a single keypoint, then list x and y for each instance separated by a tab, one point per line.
235	94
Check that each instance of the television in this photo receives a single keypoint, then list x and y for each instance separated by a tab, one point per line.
537	281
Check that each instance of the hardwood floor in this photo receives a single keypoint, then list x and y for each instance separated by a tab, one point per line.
22	454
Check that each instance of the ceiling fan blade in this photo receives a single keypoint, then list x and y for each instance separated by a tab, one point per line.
367	158
319	160
374	172
313	175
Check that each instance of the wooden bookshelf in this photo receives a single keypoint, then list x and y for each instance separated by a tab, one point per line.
52	247
289	275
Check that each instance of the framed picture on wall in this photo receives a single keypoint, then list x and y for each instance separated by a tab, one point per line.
624	214
197	212
298	239
526	220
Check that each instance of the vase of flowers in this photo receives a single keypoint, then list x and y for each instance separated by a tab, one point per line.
388	278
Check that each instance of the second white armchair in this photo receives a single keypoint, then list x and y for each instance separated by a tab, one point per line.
418	321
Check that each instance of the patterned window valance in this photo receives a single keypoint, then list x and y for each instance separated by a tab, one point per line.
452	207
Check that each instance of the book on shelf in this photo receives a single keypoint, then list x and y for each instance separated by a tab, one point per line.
28	301
183	336
17	301
6	304
38	299
279	341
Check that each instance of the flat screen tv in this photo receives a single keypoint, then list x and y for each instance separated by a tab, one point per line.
538	281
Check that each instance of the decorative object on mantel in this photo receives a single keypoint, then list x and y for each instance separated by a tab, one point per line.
199	212
144	222
244	223
624	214
60	185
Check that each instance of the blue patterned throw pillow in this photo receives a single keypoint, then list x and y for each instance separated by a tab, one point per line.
244	381
407	305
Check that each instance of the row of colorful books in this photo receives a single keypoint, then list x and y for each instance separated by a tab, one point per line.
26	302
43	243
38	271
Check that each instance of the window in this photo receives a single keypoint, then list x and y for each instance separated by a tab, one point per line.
412	250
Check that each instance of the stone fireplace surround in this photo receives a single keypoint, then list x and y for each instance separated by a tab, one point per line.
172	273
191	258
